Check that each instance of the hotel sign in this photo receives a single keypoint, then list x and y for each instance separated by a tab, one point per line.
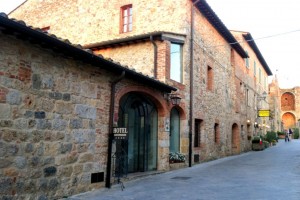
264	113
120	133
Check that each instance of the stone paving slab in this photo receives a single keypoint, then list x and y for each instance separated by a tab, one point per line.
258	175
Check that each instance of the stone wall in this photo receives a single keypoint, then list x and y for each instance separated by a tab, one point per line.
139	57
99	20
54	115
53	123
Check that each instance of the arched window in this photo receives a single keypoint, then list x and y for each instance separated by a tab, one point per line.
175	131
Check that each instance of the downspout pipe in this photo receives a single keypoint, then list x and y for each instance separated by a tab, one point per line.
191	85
110	129
155	56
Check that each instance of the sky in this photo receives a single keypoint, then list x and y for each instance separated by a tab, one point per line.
7	5
274	24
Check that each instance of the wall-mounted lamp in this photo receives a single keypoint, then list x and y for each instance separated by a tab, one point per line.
255	125
263	96
174	98
248	122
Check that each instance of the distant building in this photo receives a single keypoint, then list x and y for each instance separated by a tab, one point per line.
284	106
275	106
290	109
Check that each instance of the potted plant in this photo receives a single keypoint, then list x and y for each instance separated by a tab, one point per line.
257	143
176	157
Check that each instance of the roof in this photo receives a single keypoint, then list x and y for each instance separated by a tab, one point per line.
211	16
159	35
261	59
76	52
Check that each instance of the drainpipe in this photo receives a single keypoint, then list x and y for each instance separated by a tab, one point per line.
110	129
191	85
155	56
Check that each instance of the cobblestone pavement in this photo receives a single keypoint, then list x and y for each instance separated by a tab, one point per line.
257	175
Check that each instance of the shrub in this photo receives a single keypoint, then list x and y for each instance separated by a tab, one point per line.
270	136
266	144
280	133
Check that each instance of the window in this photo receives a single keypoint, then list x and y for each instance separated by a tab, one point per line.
247	97
265	83
197	135
176	62
247	60
259	78
175	131
126	18
210	78
254	68
217	133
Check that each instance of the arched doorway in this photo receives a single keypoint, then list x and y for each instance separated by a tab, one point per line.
139	115
174	130
235	139
289	120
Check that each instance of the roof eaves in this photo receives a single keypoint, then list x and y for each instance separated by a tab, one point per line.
131	39
211	16
24	32
261	59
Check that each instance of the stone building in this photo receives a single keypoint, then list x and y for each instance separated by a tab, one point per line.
275	105
184	45
284	103
56	113
253	78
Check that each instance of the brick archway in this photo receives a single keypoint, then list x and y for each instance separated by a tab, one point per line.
289	120
235	140
155	96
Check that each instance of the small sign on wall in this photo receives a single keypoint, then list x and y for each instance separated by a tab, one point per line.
264	113
120	133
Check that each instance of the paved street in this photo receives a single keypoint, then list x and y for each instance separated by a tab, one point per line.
258	175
